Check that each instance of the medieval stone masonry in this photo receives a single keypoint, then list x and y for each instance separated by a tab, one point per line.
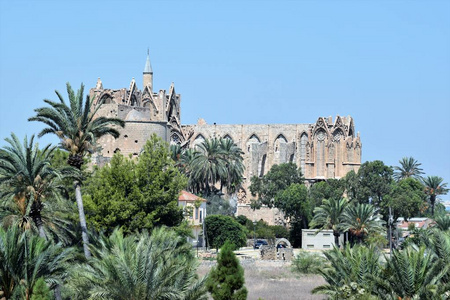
326	149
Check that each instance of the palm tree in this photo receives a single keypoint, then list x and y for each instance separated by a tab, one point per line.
156	266
27	180
442	223
348	272
24	258
233	156
330	216
434	186
361	220
209	166
409	167
412	273
78	129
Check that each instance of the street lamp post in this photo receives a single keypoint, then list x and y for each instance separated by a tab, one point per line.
390	231
254	233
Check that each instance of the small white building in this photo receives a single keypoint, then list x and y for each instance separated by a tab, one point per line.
323	240
194	209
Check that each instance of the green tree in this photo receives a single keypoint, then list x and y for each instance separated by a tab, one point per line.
226	280
293	202
412	273
407	199
41	290
442	222
330	216
329	189
361	220
434	186
216	205
24	258
142	266
136	195
78	129
233	156
214	161
409	168
349	269
27	179
220	229
371	183
275	181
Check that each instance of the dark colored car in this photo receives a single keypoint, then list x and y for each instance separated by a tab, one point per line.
259	243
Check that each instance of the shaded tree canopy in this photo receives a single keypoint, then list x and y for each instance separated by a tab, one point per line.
276	180
409	167
220	229
407	199
226	280
136	195
370	184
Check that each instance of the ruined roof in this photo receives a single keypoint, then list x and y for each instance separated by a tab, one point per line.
186	196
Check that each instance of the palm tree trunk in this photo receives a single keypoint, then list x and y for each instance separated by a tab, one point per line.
84	233
432	201
336	238
35	214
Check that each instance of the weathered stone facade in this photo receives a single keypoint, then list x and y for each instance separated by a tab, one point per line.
325	149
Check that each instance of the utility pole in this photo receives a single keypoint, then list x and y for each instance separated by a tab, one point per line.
390	232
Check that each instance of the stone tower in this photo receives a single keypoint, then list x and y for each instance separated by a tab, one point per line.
148	74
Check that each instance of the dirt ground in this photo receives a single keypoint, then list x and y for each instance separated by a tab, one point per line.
273	280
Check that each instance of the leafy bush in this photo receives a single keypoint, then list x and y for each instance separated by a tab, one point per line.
308	263
226	280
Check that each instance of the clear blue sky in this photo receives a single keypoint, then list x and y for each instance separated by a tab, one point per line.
385	63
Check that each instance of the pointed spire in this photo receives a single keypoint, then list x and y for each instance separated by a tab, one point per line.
148	65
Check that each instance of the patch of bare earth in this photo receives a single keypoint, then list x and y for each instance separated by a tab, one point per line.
273	280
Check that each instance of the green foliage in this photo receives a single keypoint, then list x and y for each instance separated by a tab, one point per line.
279	231
30	187
308	263
226	280
407	199
212	161
41	291
75	124
361	220
329	189
349	267
24	258
442	222
409	168
220	229
434	186
142	266
412	273
370	184
330	216
136	195
216	205
293	201
275	181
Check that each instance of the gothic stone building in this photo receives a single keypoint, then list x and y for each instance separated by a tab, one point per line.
325	149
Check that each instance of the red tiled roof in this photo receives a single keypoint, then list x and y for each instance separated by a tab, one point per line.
186	196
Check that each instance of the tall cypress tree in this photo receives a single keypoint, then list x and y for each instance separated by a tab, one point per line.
226	280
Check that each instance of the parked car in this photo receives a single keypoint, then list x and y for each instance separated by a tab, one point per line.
259	243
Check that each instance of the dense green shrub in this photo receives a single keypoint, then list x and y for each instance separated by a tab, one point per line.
308	263
226	280
220	229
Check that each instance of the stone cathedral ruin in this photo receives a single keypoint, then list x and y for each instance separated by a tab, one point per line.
325	149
